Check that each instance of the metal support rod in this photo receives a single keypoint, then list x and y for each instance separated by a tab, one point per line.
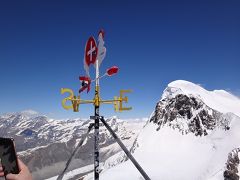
129	155
74	152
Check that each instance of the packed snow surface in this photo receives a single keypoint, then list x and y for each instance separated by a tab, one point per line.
169	155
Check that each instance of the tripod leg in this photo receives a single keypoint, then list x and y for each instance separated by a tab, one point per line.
129	155
60	176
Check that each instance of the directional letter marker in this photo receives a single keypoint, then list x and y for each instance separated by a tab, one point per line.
76	101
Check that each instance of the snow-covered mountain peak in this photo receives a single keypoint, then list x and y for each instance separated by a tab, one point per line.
29	112
22	115
219	100
187	87
192	134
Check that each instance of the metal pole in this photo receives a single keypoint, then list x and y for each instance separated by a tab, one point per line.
96	125
96	145
129	155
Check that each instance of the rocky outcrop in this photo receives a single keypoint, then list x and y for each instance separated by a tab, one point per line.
187	114
231	172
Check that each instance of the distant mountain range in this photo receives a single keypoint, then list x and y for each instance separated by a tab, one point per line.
46	144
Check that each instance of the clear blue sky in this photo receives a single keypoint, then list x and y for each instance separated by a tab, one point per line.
152	42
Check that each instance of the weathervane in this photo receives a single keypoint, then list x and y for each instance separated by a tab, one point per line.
94	54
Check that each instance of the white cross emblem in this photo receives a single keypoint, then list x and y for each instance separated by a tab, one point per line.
91	50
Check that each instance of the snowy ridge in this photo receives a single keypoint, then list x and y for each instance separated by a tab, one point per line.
219	100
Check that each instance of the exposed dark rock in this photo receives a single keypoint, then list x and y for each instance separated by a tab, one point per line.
182	110
231	172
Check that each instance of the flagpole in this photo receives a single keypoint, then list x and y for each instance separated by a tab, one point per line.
96	124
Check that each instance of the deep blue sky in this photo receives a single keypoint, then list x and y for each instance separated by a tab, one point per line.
153	43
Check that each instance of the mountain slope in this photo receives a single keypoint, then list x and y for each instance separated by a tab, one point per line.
190	135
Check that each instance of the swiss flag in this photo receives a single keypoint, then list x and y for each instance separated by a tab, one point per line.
91	51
